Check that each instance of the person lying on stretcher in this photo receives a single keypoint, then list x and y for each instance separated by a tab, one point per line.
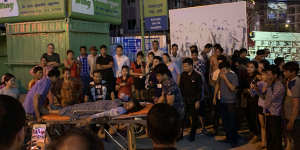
128	107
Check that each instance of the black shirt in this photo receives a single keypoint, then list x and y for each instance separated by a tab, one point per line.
244	61
191	86
52	58
97	91
107	74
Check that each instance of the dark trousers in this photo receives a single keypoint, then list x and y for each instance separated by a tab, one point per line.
252	117
296	135
110	85
86	83
228	114
195	119
274	130
191	112
216	115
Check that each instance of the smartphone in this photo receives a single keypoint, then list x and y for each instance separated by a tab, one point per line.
38	136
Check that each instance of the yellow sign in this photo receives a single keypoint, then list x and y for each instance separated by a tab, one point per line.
154	8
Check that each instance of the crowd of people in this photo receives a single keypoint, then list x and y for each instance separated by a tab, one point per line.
201	88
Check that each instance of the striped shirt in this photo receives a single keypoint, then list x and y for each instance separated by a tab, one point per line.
85	68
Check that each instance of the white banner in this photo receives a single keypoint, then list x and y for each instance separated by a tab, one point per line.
83	6
225	24
9	8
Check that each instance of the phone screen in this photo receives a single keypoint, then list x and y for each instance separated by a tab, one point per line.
38	136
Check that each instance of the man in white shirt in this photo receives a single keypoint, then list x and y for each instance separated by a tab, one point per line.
92	59
120	60
155	49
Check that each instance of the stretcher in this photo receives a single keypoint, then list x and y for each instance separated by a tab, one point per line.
57	123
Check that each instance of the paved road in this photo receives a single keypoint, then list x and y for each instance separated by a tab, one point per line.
202	142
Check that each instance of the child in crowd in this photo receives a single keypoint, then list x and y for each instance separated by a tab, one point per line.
10	88
125	85
43	64
97	90
38	75
137	70
72	64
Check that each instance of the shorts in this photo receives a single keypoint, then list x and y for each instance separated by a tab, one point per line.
260	110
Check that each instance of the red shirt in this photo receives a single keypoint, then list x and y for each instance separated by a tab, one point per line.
137	68
125	89
74	69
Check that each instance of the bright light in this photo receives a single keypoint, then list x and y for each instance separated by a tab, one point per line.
288	21
287	25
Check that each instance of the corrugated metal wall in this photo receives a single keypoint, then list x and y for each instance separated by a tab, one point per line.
88	34
3	55
26	42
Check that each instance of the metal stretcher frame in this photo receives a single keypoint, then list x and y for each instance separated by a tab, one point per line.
128	121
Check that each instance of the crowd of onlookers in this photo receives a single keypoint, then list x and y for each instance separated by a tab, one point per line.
203	87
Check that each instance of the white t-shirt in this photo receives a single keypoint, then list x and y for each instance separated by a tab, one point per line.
157	53
92	62
119	62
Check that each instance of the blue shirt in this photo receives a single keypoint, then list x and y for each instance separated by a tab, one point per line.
174	71
228	96
274	98
42	88
178	61
85	68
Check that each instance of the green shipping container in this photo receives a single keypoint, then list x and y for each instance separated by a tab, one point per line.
26	42
3	54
